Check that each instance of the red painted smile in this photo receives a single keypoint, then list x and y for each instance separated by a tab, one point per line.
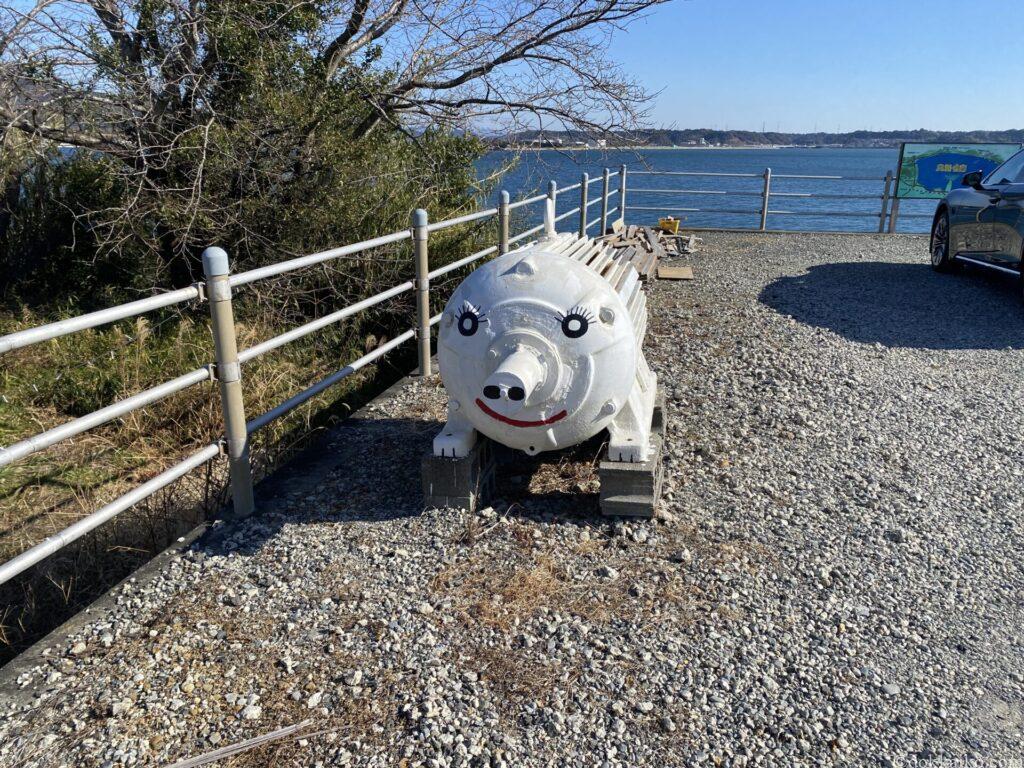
516	422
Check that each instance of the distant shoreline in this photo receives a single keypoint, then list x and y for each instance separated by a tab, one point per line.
659	147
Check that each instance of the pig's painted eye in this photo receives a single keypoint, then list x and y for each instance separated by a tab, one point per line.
576	321
469	319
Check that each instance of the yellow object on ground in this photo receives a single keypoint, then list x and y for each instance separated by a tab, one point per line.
669	224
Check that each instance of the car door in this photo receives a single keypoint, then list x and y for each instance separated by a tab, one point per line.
1006	214
971	216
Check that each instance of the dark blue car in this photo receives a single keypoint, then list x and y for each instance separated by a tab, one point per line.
982	222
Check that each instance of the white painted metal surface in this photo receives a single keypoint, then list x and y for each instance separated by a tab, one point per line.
540	349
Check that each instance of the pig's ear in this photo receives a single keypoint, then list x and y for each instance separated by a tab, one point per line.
525	267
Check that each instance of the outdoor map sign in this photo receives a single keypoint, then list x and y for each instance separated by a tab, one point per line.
929	171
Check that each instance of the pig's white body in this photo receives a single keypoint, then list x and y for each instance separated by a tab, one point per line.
541	349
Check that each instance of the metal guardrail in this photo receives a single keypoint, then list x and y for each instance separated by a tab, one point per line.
226	368
889	210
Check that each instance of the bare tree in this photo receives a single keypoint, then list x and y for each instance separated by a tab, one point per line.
446	62
510	64
213	103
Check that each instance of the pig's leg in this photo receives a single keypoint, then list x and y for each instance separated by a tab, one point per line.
629	434
457	438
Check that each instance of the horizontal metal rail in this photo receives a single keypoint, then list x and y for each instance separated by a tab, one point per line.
741	193
462	262
757	175
771	212
888	210
322	322
527	201
695	192
63	432
60	328
273	270
695	173
218	280
567	214
673	209
295	401
58	541
849	214
462	220
526	234
570	188
826	196
826	178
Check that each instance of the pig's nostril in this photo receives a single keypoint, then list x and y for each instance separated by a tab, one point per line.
516	393
491	392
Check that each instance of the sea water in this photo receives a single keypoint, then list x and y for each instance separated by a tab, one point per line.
531	170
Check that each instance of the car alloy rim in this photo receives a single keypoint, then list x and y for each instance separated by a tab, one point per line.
939	241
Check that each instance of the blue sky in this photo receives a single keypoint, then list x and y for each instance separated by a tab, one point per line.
835	64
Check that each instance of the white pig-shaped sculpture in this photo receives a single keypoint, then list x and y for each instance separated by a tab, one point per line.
541	349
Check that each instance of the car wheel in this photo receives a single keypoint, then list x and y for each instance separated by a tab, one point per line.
939	245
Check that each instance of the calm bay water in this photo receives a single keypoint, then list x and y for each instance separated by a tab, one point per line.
535	168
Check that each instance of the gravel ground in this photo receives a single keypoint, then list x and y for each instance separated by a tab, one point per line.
835	579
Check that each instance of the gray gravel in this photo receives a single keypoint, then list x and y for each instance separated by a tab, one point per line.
835	579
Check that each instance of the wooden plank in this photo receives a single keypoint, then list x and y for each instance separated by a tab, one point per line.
638	260
655	241
650	267
631	231
624	255
675	273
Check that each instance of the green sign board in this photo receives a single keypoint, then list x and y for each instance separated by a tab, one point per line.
929	171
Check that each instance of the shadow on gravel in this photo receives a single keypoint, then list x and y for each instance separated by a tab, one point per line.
904	305
368	470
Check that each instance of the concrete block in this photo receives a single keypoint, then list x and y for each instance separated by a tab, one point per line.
462	483
632	489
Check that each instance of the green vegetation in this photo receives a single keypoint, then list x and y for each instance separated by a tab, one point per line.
269	167
135	134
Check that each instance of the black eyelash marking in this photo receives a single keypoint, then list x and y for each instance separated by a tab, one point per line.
469	319
576	321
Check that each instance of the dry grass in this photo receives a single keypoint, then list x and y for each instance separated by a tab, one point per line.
517	676
496	594
568	475
50	384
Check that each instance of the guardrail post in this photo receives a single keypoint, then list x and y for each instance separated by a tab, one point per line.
584	185
885	201
767	195
894	213
503	217
229	374
605	179
622	192
419	243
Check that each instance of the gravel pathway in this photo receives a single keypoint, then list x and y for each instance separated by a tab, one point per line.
836	578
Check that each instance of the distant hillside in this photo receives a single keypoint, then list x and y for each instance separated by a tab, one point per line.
704	136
